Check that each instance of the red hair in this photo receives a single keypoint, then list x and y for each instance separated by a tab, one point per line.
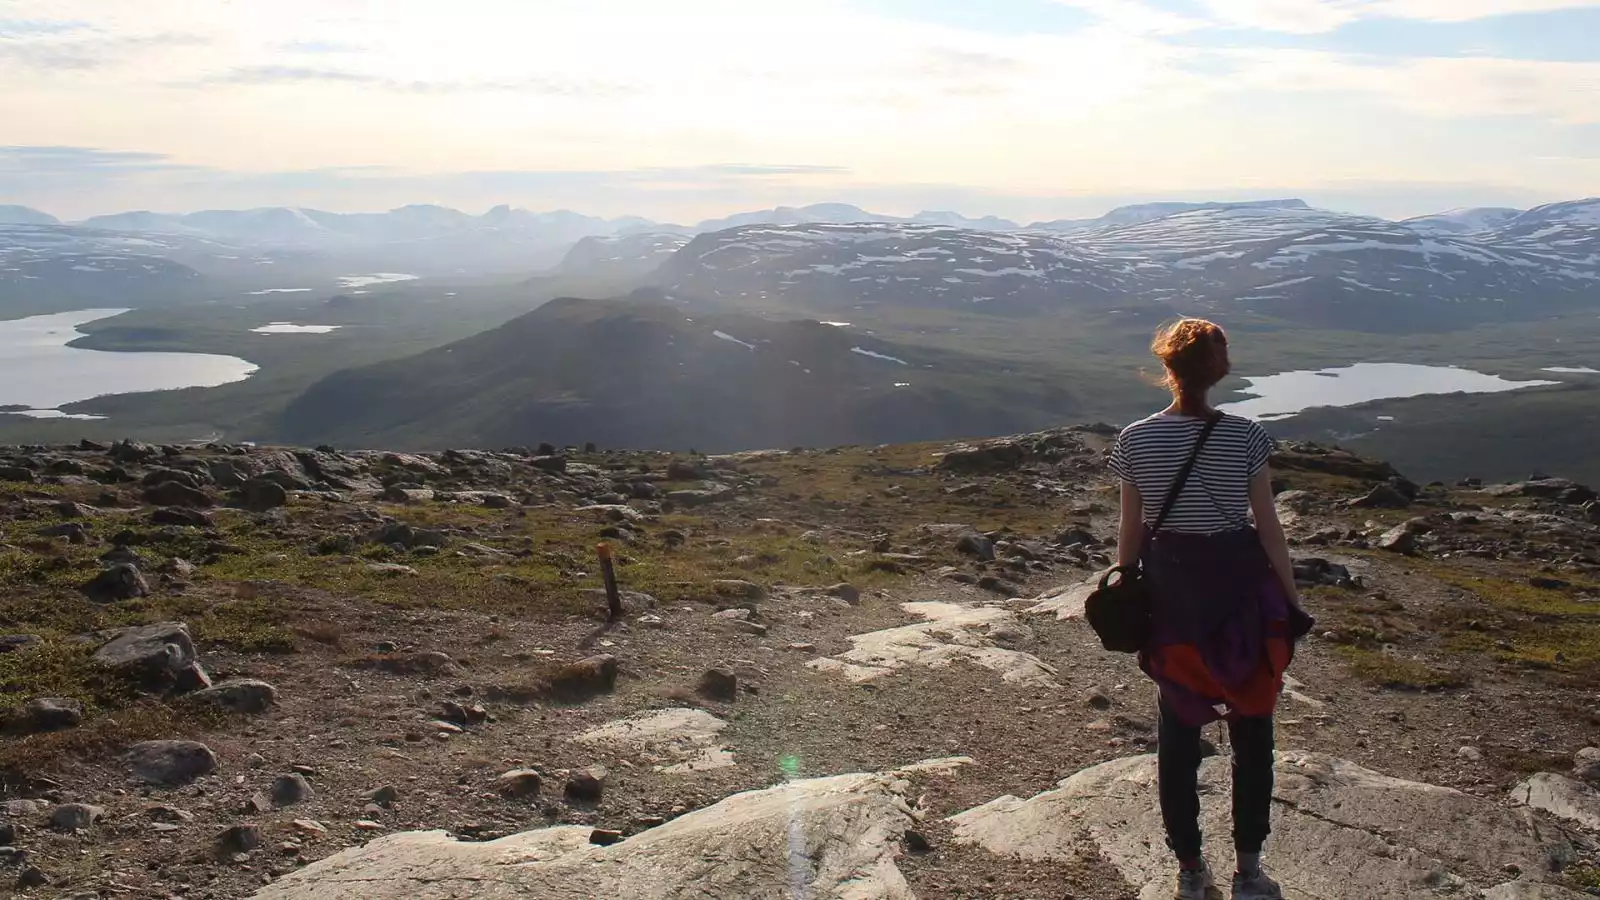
1195	353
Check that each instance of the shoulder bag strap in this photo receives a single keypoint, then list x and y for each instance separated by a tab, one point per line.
1183	473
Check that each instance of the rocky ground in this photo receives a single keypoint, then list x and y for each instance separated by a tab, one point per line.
220	665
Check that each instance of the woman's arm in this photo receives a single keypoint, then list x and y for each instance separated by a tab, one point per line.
1271	530
1130	533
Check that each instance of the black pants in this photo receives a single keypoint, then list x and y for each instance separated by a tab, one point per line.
1178	756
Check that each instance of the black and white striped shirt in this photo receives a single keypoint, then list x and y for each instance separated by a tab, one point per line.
1150	452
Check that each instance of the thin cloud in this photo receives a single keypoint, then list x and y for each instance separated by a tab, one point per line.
1322	16
82	160
22	28
289	74
320	47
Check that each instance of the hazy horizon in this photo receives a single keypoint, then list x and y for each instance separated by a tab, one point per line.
1025	109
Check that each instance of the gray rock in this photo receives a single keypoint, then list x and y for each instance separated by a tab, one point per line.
496	501
736	589
1399	539
719	684
585	787
171	763
1339	830
21	809
287	790
1562	797
122	581
158	656
171	493
242	696
10	643
851	825
17	474
70	817
519	784
975	544
33	877
53	714
240	838
1586	764
849	593
385	796
262	494
1383	496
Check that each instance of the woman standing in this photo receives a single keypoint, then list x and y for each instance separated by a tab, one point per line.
1223	593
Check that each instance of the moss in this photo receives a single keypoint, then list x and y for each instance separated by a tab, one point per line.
1399	673
1584	878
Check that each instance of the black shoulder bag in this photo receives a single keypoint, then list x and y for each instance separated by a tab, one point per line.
1120	611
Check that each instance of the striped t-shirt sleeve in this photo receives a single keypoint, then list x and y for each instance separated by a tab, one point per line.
1119	459
1258	450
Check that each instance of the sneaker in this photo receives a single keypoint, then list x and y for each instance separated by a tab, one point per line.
1194	884
1256	887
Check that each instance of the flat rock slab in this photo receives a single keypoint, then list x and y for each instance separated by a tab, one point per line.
1562	797
952	632
823	839
676	740
1064	602
1339	831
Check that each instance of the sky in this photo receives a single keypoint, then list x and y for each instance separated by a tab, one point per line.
686	109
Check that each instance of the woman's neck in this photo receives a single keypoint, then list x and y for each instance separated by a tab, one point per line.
1194	407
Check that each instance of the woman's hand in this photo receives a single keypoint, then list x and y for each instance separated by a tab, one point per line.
1265	509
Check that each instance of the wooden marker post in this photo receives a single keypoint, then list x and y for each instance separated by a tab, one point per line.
609	571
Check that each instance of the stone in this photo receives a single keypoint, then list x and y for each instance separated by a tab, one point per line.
1400	539
32	877
21	809
1470	754
736	589
244	695
605	837
1383	496
122	581
154	655
849	830
519	784
998	585
1339	830
10	643
17	474
1586	764
585	787
288	790
262	494
585	678
171	763
172	493
240	838
496	501
8	834
1097	699
675	741
385	796
1562	797
719	684
975	544
70	817
52	714
951	632
849	593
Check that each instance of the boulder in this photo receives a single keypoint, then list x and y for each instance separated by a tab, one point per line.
519	784
849	830
171	763
288	790
719	684
1399	539
583	679
1585	765
122	581
17	474
183	518
1383	496
950	633
70	817
586	786
676	740
262	494
158	656
975	544
1562	797
52	714
244	695
735	589
1339	830
172	493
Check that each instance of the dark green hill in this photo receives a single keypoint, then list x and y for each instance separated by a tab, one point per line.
627	373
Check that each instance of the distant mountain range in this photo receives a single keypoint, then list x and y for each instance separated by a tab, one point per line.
638	372
1280	259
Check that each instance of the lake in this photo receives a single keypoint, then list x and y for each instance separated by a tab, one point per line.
1287	393
291	328
39	371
